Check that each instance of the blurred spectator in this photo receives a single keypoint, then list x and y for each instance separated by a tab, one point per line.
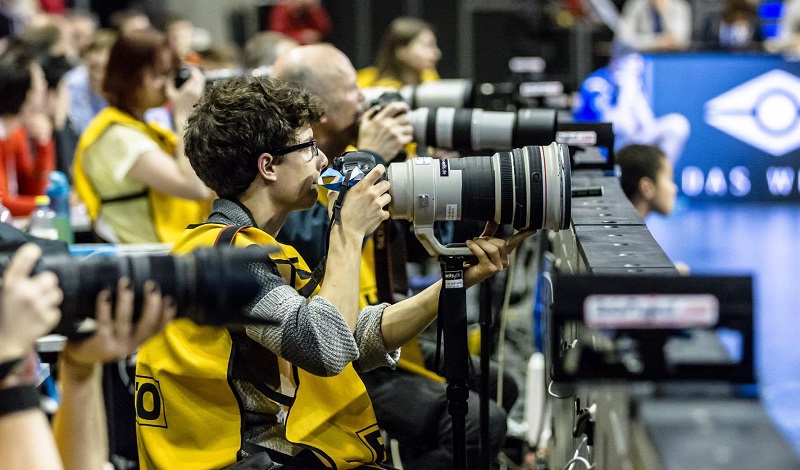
14	17
23	175
407	55
264	48
48	35
55	69
305	21
788	39
126	21
180	34
615	94
221	56
736	28
85	81
83	25
133	176
656	25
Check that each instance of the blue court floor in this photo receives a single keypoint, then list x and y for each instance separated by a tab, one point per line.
761	239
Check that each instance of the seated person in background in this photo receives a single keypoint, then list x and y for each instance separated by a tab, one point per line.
23	123
736	28
29	310
656	25
133	176
305	21
648	180
263	49
615	94
410	402
407	55
286	388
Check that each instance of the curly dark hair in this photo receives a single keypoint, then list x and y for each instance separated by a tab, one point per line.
236	121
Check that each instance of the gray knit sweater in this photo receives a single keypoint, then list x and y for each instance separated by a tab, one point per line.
312	335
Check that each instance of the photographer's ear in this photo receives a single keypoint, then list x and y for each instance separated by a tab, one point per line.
266	166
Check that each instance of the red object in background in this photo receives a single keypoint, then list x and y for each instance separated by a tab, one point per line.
308	25
56	7
575	8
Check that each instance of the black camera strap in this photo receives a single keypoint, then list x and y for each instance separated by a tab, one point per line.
337	206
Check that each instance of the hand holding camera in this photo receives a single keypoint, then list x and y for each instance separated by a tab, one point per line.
117	335
30	304
187	88
364	207
385	129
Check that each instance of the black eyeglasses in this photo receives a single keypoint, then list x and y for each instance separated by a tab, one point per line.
293	148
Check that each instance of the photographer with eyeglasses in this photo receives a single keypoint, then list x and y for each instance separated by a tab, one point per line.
285	391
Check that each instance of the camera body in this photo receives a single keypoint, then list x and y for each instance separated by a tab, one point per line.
385	99
349	162
183	74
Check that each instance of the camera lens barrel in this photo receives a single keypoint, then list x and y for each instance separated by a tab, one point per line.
475	130
210	286
526	187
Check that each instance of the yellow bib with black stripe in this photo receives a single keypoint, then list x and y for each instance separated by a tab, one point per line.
192	411
171	214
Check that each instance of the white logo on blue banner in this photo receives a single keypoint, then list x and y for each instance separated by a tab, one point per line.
762	112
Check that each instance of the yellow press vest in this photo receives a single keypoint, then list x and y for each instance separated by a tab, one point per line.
171	215
189	414
411	359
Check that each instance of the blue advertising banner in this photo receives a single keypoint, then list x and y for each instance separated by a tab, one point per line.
745	124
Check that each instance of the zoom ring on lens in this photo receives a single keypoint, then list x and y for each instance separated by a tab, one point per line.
506	188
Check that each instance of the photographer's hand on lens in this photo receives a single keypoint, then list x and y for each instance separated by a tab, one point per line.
387	131
116	335
30	304
364	204
492	253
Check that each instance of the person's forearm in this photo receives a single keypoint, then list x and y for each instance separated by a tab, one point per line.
26	441
406	319
342	273
80	423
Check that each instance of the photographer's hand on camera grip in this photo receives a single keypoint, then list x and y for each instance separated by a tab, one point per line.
363	208
116	335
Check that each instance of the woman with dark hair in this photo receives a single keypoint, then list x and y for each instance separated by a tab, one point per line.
133	175
27	153
407	55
